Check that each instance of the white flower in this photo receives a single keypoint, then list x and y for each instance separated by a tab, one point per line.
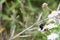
53	14
52	36
50	26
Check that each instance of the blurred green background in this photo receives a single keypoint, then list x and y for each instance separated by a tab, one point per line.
22	14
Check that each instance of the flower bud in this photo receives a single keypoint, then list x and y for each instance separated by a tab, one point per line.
44	5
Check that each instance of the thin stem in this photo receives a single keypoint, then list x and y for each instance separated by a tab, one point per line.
13	25
25	36
28	27
58	7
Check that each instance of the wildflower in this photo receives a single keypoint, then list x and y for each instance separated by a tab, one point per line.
50	26
53	14
52	36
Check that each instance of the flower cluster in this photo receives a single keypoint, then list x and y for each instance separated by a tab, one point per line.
52	36
53	20
50	26
54	16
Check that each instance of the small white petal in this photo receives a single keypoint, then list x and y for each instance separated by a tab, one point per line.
58	12
52	15
50	26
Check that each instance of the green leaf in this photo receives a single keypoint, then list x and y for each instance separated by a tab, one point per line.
5	17
14	5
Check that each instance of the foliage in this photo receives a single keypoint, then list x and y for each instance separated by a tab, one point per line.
17	15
